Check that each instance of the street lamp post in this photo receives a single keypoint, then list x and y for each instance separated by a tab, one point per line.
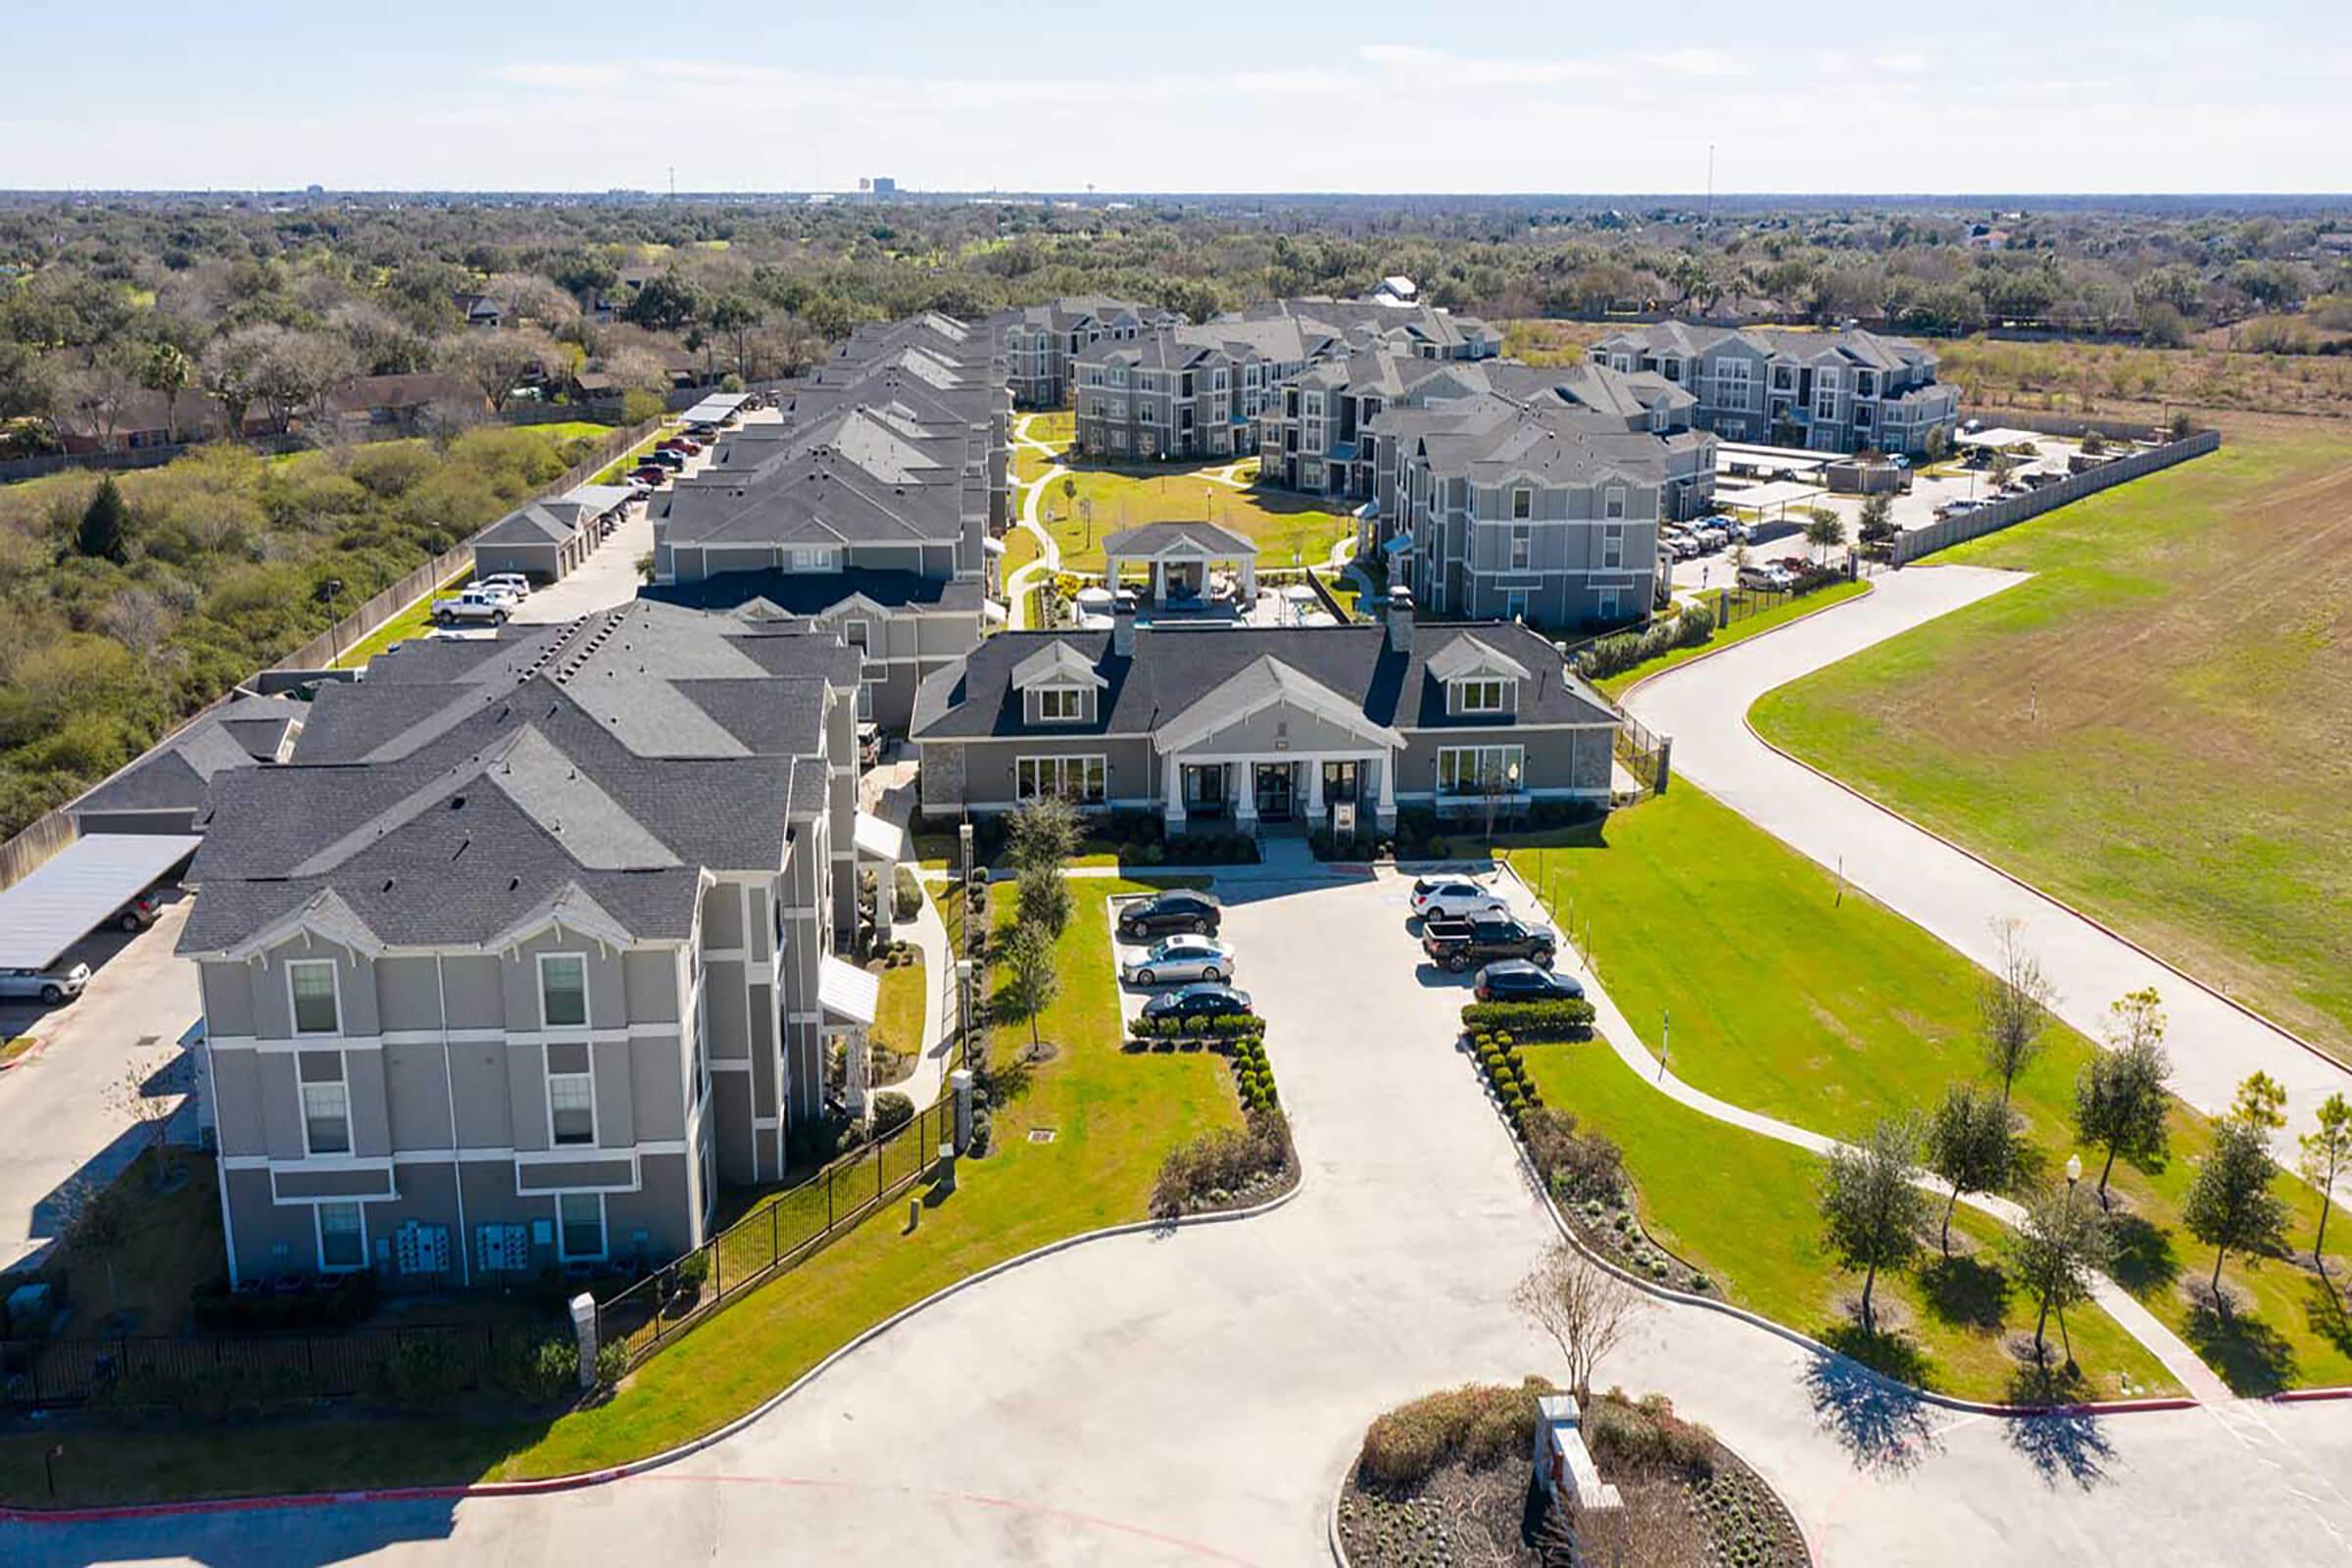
334	639
2074	1174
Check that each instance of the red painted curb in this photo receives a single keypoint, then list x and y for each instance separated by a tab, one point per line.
2309	1395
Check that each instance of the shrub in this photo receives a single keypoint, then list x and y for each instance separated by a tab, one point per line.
891	1111
1645	1436
611	1365
547	1370
692	1272
1479	1424
423	1369
1570	1019
1225	1160
982	1134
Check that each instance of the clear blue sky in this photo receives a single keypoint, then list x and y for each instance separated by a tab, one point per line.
1471	95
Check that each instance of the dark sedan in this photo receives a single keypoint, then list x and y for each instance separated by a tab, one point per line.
1168	913
1517	980
1198	1002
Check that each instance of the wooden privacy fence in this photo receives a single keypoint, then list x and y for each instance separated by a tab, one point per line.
1913	543
771	1240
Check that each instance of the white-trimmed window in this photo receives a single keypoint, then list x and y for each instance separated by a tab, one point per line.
1082	779
1523	502
342	1237
316	993
579	1226
1612	502
570	1095
1060	704
1484	696
1612	548
814	558
1476	769
563	991
325	1102
1523	548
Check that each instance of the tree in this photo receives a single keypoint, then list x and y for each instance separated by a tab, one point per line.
2056	1254
230	369
667	303
93	1218
1825	532
169	371
151	1113
2120	1100
2261	1102
1032	974
2230	1207
1586	1310
2013	1008
1044	832
1872	1210
498	359
1069	494
1877	518
735	314
100	537
1044	898
2326	1152
1971	1145
101	390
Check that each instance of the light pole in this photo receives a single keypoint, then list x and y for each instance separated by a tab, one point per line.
2074	1174
334	641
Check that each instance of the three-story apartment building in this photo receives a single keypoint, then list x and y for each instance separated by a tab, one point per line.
1041	340
523	953
1842	391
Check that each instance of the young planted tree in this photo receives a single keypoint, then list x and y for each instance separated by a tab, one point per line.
1971	1145
2056	1254
2120	1098
1872	1210
1586	1310
2230	1207
1044	899
2013	1009
1044	832
1877	518
150	1112
2261	1102
1032	974
1825	532
2328	1154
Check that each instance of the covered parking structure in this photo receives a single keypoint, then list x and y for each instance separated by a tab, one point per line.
717	409
80	889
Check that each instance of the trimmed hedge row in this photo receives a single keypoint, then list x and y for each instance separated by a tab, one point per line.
1537	1023
1211	1027
1253	1076
1498	1058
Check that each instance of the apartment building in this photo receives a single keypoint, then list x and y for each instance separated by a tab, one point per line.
1542	506
1231	729
523	954
871	507
1842	391
1041	340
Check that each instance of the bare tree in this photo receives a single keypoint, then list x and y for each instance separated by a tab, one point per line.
139	620
495	360
99	391
151	1113
1586	1310
2013	1008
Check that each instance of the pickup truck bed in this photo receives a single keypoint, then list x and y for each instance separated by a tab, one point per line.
1460	944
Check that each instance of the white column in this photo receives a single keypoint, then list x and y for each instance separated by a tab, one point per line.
1248	582
886	898
1314	787
1244	796
1386	813
1171	792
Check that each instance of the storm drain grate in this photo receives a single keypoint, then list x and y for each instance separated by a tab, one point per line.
1041	1135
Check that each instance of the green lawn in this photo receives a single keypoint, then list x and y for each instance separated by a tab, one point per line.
1115	1117
1021	549
1129	496
2152	727
1741	1207
1739	630
899	1013
1825	1009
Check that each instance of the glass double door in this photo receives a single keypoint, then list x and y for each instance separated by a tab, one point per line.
1276	791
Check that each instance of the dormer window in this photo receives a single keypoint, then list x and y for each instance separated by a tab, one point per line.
814	558
1486	696
1523	502
1612	502
1060	704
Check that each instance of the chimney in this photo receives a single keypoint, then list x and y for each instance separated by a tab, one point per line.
1400	620
1122	624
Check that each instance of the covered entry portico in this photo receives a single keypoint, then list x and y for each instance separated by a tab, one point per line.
1177	560
1270	747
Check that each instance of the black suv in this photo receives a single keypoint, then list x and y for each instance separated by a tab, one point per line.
1167	914
1198	1002
1517	980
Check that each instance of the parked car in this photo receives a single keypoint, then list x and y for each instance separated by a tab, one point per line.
1186	957
685	445
502	592
1712	534
1517	980
669	459
1165	913
1765	576
474	605
50	986
1450	898
700	431
140	913
1793	566
1459	945
1198	1002
513	583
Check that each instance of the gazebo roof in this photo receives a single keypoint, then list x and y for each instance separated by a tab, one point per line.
1156	541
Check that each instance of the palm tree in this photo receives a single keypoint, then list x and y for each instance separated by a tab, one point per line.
167	370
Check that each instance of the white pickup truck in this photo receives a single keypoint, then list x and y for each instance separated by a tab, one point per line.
473	604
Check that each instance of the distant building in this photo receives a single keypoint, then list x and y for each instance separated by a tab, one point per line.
1843	391
1041	340
885	187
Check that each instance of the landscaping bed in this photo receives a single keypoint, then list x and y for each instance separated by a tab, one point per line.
1449	1479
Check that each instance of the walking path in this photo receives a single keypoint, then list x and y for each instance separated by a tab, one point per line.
2201	1381
1703	705
1048	561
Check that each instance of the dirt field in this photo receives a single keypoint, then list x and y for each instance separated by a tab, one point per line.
2158	728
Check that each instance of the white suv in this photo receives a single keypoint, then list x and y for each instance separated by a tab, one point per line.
1450	898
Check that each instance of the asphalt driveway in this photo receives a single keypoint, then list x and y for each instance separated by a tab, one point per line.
1193	1397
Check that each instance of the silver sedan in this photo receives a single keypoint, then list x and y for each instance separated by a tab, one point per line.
1184	959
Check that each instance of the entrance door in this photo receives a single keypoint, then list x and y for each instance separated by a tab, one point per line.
1274	792
1339	783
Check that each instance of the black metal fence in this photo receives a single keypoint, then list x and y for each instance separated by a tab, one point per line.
203	1374
1645	754
779	1236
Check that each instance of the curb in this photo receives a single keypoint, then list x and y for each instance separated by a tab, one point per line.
2056	903
1331	1519
2308	1395
1868	589
633	1467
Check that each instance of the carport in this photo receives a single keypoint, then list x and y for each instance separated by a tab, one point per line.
80	890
